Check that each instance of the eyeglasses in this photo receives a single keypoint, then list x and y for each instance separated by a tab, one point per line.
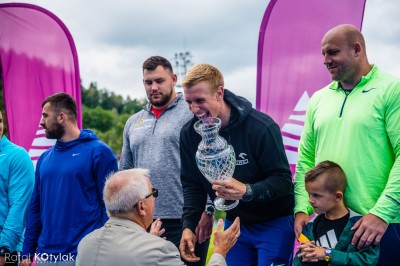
154	193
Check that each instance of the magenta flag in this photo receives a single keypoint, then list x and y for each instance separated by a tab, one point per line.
290	65
38	58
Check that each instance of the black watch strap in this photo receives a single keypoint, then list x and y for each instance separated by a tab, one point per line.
248	196
210	209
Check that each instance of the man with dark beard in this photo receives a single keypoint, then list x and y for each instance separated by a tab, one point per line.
67	200
151	140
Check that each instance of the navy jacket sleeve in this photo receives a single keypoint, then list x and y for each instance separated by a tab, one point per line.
270	153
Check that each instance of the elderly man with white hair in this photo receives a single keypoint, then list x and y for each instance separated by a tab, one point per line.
129	198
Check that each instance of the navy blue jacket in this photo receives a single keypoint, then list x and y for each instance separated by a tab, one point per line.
67	201
260	161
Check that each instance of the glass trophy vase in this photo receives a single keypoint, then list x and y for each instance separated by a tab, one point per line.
215	158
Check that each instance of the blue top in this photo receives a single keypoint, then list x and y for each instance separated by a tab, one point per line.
16	185
67	202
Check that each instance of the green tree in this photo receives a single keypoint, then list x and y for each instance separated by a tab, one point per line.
133	106
113	137
98	118
105	100
106	113
117	102
91	96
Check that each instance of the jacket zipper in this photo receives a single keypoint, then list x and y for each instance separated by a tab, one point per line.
154	128
155	123
344	102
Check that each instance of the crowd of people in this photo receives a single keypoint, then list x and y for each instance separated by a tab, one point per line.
79	207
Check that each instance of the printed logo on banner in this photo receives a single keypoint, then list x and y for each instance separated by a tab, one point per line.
40	144
291	131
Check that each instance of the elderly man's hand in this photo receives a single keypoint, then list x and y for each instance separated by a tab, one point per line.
155	228
224	241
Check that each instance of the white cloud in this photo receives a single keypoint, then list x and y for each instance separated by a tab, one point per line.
380	28
243	82
113	38
114	68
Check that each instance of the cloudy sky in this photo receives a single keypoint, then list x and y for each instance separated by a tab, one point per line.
113	38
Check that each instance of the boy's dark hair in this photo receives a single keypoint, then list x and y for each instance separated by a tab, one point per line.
153	62
63	102
335	178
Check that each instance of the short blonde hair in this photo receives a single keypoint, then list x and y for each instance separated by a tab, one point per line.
204	72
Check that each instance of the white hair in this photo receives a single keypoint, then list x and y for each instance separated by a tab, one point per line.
124	189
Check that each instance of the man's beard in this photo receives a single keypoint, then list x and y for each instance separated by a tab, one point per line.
56	131
163	100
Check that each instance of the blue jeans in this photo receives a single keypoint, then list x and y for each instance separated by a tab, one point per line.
263	244
390	246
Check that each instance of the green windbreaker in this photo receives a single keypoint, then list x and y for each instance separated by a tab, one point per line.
344	252
361	132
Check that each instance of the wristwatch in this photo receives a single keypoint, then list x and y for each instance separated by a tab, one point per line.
328	254
210	209
3	251
248	196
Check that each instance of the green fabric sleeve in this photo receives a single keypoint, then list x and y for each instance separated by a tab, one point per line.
366	256
388	204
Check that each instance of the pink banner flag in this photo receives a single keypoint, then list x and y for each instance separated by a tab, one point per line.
290	65
38	59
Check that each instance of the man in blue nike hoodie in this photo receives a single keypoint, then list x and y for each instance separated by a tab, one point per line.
67	200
